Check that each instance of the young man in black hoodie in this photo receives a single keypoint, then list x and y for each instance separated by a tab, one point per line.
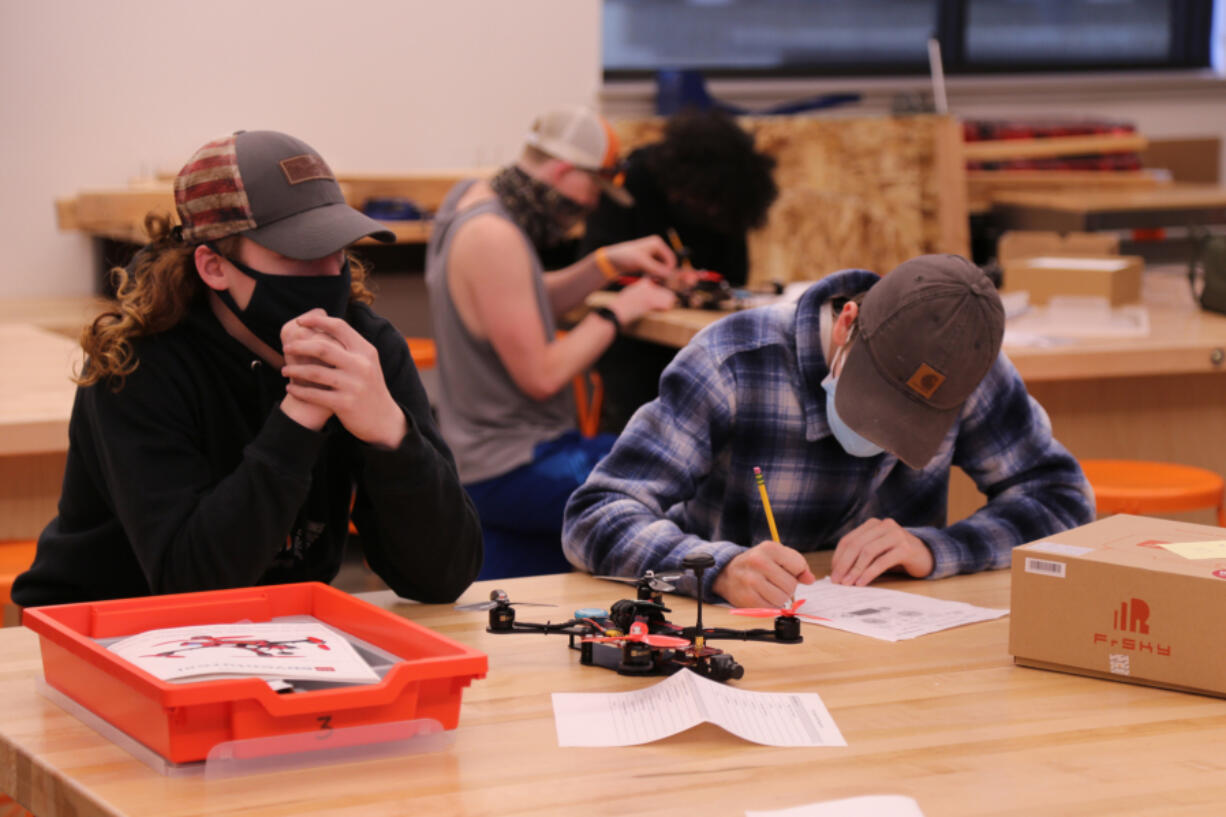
241	395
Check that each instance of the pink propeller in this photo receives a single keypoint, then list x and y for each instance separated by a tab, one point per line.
770	612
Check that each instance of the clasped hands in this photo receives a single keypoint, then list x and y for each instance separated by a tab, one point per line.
333	370
766	575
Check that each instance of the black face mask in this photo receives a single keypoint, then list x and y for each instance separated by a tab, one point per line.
278	299
543	213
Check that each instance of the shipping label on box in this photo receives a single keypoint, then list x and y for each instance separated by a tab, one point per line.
1111	600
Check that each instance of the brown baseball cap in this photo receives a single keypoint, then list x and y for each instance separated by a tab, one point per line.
273	189
586	140
926	335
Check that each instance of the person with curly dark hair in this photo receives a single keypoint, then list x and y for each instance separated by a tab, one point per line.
707	184
706	181
240	396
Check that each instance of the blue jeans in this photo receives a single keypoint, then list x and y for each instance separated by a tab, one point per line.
521	510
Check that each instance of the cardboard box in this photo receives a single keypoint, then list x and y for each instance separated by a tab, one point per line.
1018	245
1046	263
1114	277
1108	601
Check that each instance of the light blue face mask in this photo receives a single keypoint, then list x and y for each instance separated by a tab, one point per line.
852	442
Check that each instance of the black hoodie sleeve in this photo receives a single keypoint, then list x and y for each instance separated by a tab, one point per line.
420	531
150	446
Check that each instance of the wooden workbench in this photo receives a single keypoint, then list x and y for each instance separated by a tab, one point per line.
66	315
1178	205
1183	339
119	213
38	355
946	719
35	406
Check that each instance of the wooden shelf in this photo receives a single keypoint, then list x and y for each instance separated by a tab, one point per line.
119	213
1047	147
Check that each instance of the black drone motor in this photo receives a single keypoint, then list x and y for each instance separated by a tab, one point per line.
637	659
625	612
502	618
787	629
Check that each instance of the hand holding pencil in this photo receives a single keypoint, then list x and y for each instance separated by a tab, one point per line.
766	574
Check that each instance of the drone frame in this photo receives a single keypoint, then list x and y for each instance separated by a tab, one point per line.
635	657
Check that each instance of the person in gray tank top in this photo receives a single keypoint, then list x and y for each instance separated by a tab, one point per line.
504	401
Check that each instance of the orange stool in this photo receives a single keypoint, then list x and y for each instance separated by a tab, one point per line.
1141	487
423	352
15	557
10	808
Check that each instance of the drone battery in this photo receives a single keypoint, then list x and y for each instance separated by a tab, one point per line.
591	612
181	722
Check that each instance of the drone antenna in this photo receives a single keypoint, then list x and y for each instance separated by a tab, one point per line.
698	562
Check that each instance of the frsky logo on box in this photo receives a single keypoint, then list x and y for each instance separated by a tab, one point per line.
1131	616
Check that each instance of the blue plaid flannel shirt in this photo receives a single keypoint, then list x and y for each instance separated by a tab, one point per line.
747	391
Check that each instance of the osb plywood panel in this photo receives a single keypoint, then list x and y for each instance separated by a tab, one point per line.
865	192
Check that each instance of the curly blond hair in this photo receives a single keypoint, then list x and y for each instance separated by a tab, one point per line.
153	294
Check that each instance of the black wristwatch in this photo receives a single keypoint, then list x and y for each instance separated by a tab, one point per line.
610	316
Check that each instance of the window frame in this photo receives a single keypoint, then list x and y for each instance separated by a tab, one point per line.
1187	50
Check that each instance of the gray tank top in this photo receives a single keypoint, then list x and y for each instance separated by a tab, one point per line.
489	423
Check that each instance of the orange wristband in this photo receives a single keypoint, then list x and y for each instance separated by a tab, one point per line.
605	265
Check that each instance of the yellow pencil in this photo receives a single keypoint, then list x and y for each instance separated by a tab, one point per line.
766	503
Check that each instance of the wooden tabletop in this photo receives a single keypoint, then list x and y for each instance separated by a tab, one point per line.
1183	339
36	400
64	314
1173	197
945	718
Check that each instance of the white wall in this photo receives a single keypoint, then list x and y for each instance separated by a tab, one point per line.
96	92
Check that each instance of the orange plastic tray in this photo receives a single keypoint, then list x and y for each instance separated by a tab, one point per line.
182	722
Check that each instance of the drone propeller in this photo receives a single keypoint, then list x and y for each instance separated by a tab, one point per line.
768	612
661	584
499	598
638	632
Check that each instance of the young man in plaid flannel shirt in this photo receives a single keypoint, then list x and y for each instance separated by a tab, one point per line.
855	412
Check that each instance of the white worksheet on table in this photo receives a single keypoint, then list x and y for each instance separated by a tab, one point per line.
889	615
685	700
